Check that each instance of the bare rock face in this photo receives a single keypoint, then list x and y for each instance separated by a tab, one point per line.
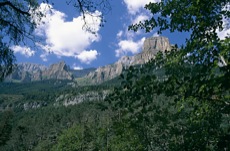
151	46
156	44
57	71
102	74
27	72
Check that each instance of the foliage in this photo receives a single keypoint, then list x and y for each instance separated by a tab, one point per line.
177	101
166	114
5	127
18	96
39	128
90	6
194	84
89	135
202	18
6	60
16	23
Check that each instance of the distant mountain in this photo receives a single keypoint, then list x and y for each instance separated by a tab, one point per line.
81	73
59	71
27	72
151	46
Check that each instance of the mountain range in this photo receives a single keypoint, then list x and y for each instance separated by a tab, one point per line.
28	72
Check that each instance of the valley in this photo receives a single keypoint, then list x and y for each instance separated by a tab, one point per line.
115	107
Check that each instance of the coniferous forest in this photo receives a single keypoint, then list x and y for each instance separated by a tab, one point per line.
177	101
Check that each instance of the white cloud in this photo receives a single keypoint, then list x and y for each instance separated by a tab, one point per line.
67	38
223	34
126	38
226	24
44	57
126	46
226	31
26	51
134	6
156	34
87	56
75	67
139	18
119	34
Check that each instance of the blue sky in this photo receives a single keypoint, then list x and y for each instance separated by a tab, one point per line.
64	39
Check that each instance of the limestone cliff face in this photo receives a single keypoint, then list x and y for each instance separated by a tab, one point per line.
72	99
57	71
155	44
105	73
27	72
151	46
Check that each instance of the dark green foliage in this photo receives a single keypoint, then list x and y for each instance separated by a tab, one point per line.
15	95
178	101
181	118
202	18
38	129
5	127
192	114
16	24
90	134
7	60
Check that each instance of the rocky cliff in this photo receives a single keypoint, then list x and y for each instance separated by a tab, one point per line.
27	72
58	71
90	95
151	46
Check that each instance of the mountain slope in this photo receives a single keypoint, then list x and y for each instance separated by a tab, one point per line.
28	72
151	47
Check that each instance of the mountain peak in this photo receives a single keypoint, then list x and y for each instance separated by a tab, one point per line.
151	47
156	44
27	72
58	71
59	66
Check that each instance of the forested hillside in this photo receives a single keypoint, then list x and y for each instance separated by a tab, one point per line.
33	115
178	100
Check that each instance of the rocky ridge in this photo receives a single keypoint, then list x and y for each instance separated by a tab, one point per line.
27	72
151	47
58	71
71	99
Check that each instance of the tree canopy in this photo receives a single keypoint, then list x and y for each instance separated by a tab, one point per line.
16	23
193	81
178	101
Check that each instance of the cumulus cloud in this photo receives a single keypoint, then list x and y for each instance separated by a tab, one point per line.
76	67
87	56
129	41
26	51
68	38
139	18
126	46
134	6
